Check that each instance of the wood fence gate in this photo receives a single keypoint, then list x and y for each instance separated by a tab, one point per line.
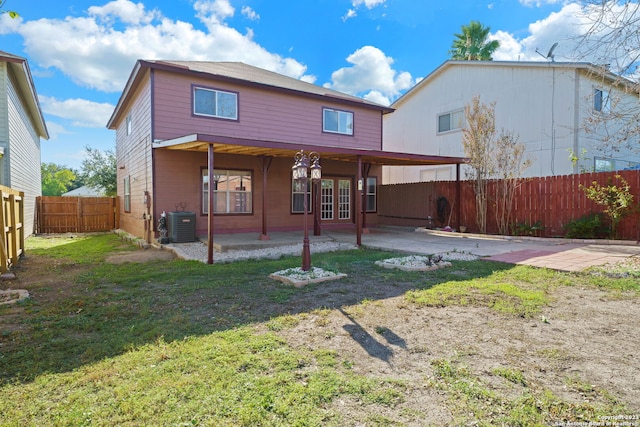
76	214
12	231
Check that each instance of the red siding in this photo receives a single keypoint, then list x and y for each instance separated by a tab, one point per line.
263	115
133	159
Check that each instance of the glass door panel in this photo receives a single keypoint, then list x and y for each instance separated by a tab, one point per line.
326	200
344	199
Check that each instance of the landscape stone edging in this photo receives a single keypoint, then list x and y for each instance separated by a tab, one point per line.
389	265
22	295
558	240
301	283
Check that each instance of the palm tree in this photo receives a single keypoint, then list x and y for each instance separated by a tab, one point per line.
472	43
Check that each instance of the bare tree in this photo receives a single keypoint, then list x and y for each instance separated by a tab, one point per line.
611	40
511	162
477	140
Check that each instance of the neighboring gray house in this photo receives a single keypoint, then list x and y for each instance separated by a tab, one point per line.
545	103
21	127
84	191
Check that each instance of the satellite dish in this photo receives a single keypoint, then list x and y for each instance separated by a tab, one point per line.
550	55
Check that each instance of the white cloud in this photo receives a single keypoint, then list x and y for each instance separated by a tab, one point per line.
371	75
8	24
568	27
214	12
250	13
369	4
98	50
124	11
55	130
538	3
80	112
351	13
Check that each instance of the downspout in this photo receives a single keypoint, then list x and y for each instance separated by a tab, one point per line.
152	205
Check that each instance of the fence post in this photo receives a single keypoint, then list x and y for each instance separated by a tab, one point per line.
20	214
4	262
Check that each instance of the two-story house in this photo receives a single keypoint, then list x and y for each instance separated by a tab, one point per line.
191	132
547	105
21	127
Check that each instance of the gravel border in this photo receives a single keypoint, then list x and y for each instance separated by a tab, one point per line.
198	251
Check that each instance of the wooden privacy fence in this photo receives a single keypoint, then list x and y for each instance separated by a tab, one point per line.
11	221
553	201
76	214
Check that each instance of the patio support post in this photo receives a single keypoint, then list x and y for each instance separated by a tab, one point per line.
266	164
458	196
359	186
210	207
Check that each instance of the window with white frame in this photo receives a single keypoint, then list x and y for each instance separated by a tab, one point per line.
298	191
451	121
601	101
336	121
232	191
128	124
215	103
127	193
372	182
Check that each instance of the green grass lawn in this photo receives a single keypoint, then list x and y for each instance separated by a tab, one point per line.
175	343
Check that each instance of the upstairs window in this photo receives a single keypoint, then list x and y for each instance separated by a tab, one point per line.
215	103
336	121
450	121
601	101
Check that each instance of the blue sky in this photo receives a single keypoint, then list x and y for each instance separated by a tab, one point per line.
81	52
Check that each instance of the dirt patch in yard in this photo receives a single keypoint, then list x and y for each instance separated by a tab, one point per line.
142	255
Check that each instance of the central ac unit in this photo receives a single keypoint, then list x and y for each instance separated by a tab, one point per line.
182	227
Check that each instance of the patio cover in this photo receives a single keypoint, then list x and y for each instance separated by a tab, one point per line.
268	149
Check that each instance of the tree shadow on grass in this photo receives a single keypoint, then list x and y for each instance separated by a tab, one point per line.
105	310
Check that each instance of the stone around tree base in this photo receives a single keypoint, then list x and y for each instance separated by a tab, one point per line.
437	266
299	278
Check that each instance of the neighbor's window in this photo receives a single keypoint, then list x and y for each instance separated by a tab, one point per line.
129	124
232	191
127	193
371	193
604	165
450	121
601	100
336	121
215	103
298	192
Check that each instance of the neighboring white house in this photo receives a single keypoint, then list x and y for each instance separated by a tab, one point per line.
84	191
21	127
544	103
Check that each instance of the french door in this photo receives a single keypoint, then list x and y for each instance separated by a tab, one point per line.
335	199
